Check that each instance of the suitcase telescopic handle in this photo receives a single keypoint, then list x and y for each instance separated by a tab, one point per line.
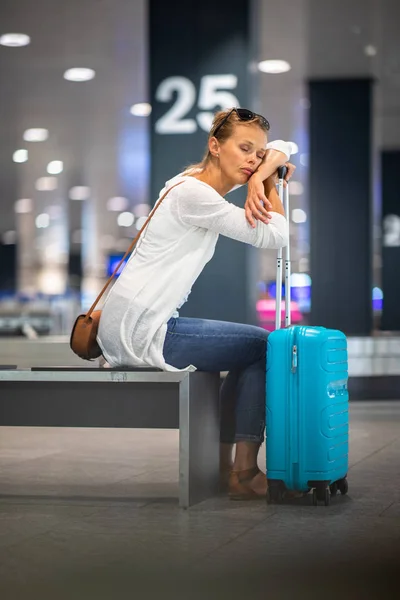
282	172
284	196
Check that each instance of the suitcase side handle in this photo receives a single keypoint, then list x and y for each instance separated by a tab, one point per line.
284	196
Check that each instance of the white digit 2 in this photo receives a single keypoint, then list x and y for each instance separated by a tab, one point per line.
212	94
172	121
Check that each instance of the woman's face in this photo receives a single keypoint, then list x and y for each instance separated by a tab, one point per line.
242	153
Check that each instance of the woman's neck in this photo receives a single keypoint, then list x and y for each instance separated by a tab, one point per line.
214	177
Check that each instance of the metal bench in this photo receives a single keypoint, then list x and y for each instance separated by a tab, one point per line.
76	397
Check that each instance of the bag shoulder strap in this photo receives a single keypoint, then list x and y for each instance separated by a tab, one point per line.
131	246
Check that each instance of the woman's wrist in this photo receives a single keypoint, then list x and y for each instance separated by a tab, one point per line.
268	167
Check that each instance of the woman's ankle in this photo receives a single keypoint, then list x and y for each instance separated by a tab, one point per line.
246	455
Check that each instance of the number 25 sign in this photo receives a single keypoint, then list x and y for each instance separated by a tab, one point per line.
213	93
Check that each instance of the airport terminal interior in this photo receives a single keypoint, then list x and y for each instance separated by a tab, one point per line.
109	475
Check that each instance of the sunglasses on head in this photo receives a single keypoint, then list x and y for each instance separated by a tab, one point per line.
244	115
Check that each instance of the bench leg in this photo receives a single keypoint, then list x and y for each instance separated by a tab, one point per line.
199	429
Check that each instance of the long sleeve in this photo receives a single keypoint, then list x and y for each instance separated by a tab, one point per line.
200	205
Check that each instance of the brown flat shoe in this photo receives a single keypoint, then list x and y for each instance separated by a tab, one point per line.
239	485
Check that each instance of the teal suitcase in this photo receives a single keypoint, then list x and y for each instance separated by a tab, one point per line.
307	403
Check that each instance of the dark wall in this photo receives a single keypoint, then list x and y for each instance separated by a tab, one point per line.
8	268
204	47
340	204
390	163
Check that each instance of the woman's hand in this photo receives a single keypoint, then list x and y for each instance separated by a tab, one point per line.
257	203
290	170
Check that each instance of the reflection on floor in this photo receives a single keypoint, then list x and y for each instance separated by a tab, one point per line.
93	514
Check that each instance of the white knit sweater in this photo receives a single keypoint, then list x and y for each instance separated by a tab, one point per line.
170	255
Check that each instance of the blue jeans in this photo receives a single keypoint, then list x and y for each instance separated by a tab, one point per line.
223	346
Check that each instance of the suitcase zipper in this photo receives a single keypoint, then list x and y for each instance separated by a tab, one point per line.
294	359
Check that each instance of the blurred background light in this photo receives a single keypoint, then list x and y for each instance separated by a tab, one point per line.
141	210
117	204
20	156
55	167
296	188
14	40
142	109
274	66
79	192
36	135
125	219
42	221
24	205
370	50
79	74
55	211
46	184
299	215
140	222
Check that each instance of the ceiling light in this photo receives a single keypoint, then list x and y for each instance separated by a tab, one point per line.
13	40
370	50
46	184
24	205
274	66
79	192
125	219
79	74
55	167
299	215
142	109
36	135
20	156
117	204
42	221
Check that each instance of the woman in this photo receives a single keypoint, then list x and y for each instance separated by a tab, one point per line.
140	325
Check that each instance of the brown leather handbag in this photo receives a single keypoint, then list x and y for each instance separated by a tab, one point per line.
83	341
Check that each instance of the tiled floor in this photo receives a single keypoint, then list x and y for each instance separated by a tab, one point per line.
93	514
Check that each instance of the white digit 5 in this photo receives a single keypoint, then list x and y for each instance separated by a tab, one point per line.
213	94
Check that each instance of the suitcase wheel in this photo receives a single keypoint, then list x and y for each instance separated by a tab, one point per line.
321	495
275	493
334	488
343	486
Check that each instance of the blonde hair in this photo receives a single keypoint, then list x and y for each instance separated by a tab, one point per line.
225	131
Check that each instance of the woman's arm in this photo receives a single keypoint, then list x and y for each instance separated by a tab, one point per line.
199	205
257	202
273	196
